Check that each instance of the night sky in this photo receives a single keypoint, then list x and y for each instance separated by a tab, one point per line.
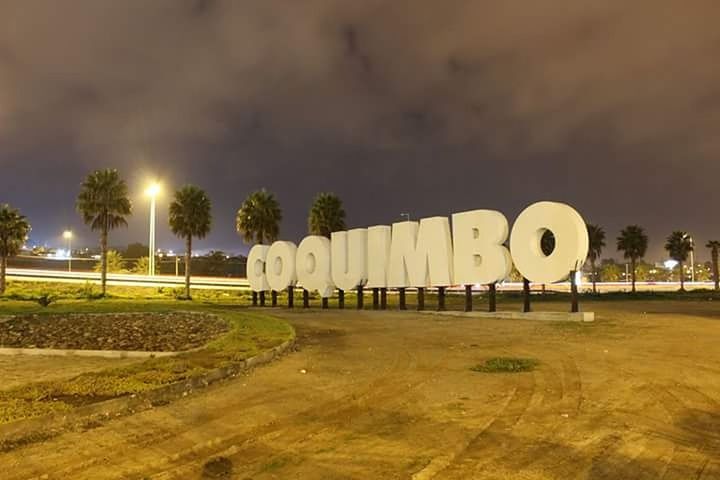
419	106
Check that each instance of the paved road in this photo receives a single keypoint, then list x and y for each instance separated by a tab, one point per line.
126	279
223	283
390	395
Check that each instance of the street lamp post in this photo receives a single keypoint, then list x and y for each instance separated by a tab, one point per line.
692	260
152	191
406	215
67	235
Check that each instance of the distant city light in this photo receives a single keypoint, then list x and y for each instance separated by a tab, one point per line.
60	253
670	264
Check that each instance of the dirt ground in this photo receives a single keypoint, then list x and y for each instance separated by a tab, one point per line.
370	395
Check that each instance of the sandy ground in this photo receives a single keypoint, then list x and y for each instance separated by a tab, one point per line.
390	395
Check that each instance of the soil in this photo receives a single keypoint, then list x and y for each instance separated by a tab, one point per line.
154	332
386	395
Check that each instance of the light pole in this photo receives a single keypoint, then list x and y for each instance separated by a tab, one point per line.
152	191
406	215
67	235
692	258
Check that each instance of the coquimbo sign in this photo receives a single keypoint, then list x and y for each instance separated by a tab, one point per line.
426	253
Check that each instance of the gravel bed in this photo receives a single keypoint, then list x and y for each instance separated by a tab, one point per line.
156	332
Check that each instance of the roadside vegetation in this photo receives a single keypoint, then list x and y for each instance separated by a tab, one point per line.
506	365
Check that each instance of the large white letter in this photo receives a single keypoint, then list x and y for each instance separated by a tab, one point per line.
377	256
256	268
280	265
571	242
313	265
349	258
478	251
421	256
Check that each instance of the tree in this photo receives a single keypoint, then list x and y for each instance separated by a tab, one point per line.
14	229
633	243
216	261
642	271
703	272
610	272
136	250
679	246
190	216
714	247
114	261
326	215
596	241
258	218
104	205
142	265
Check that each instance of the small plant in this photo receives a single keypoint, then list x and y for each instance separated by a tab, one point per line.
179	294
506	365
46	299
88	292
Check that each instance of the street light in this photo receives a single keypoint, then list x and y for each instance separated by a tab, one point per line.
152	191
692	257
406	215
67	235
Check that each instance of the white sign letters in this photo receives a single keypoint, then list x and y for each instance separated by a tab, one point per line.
425	254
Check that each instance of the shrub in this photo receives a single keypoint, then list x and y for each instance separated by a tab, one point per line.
506	365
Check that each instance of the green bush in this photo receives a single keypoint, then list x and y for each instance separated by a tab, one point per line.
506	365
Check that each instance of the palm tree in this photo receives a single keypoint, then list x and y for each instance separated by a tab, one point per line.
190	217
679	246
633	243
326	215
714	247
596	238
259	216
141	265
103	203
14	229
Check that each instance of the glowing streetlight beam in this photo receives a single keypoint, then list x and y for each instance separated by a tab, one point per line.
152	191
68	235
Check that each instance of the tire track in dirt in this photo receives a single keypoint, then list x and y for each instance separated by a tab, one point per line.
476	452
334	425
557	403
381	390
697	444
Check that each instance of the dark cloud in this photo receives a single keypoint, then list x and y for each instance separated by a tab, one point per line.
418	105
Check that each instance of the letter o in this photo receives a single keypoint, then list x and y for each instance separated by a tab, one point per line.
571	242
256	268
280	263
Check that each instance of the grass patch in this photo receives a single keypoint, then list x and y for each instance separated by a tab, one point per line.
41	292
249	334
506	365
275	464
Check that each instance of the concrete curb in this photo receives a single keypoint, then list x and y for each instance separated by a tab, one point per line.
543	316
24	431
58	352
